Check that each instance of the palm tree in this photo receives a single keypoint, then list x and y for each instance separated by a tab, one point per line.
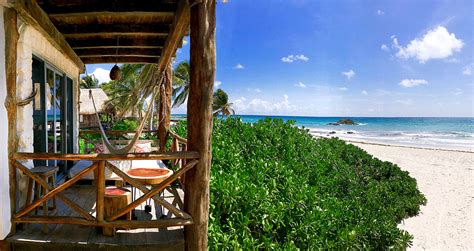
89	82
221	104
181	83
138	82
128	93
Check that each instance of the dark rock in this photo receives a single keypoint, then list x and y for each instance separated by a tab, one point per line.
333	132
350	132
344	122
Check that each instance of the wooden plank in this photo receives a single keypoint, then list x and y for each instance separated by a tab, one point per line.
70	7
54	191
97	157
100	191
144	189
11	45
130	16
154	191
115	34
142	42
118	223
35	16
160	28
43	183
120	59
178	30
119	51
203	67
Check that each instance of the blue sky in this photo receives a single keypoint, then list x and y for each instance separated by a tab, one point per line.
344	58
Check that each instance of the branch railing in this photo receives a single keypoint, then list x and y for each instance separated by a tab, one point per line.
99	163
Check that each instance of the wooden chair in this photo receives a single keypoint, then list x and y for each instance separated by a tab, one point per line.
48	174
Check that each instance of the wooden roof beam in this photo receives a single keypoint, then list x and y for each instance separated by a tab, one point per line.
121	51
114	35
178	30
66	29
32	13
120	59
112	42
84	6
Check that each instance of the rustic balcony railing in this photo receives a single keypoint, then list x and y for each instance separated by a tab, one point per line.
189	159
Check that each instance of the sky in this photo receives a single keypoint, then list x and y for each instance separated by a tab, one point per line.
343	58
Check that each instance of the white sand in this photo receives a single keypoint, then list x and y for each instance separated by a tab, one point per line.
446	178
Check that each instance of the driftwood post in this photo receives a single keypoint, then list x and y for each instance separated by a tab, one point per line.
203	65
11	43
165	106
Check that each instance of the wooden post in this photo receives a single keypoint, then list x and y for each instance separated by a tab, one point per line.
165	106
11	43
203	65
100	191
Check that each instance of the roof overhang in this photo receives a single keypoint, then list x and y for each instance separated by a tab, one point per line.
110	31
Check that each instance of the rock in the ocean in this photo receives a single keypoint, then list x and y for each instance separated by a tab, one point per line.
344	122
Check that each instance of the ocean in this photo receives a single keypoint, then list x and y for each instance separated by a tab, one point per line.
437	133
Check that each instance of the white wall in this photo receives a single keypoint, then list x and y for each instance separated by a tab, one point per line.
31	42
4	181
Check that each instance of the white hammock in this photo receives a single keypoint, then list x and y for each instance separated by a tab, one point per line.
130	146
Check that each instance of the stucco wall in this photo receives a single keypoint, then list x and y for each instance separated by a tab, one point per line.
32	42
4	182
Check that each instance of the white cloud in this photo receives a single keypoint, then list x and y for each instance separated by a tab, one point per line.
343	89
239	67
349	74
412	82
292	58
260	106
300	84
384	47
102	75
380	12
217	84
457	92
435	44
254	90
467	70
364	92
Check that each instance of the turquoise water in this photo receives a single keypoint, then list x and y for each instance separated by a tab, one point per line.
442	133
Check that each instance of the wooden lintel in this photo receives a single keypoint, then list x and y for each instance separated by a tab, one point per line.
118	51
178	29
122	42
31	13
97	157
120	59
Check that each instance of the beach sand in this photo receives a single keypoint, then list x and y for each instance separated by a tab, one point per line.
446	178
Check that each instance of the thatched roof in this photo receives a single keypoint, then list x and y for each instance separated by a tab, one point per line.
100	98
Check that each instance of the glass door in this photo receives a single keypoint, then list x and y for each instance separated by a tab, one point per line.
53	113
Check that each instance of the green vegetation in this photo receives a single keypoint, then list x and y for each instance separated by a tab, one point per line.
89	82
125	125
221	104
275	187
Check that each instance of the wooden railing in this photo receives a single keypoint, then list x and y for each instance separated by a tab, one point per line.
100	163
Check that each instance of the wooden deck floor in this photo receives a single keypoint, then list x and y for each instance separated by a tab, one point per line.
67	237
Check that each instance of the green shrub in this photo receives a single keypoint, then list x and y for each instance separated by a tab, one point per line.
273	186
125	125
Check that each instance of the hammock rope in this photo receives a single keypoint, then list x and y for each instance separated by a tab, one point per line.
130	146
